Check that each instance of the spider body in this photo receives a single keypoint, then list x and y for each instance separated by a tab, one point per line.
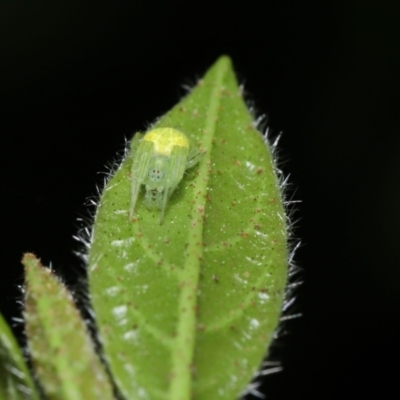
160	160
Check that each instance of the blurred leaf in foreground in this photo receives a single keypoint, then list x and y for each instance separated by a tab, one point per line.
15	380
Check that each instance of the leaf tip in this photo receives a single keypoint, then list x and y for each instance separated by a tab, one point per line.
224	61
29	260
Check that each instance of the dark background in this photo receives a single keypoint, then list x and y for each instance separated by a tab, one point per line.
77	78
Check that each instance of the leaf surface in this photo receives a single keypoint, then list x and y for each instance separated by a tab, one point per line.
186	309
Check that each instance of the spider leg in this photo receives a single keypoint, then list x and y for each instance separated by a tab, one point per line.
137	138
139	170
194	157
175	171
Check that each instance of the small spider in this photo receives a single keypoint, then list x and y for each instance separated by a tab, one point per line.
160	158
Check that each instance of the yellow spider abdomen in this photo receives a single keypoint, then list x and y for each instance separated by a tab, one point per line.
165	139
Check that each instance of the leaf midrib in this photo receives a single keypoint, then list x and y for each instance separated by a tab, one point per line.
184	343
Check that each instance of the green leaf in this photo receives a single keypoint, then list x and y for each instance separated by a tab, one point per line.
15	380
60	346
186	309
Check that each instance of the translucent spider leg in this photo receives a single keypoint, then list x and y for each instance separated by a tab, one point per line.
139	170
176	169
194	157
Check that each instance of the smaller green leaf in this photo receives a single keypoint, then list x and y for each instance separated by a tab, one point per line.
15	380
62	351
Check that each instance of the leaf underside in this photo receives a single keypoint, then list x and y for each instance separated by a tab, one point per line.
187	309
60	346
15	380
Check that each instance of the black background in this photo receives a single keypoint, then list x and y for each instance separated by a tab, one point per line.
77	78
